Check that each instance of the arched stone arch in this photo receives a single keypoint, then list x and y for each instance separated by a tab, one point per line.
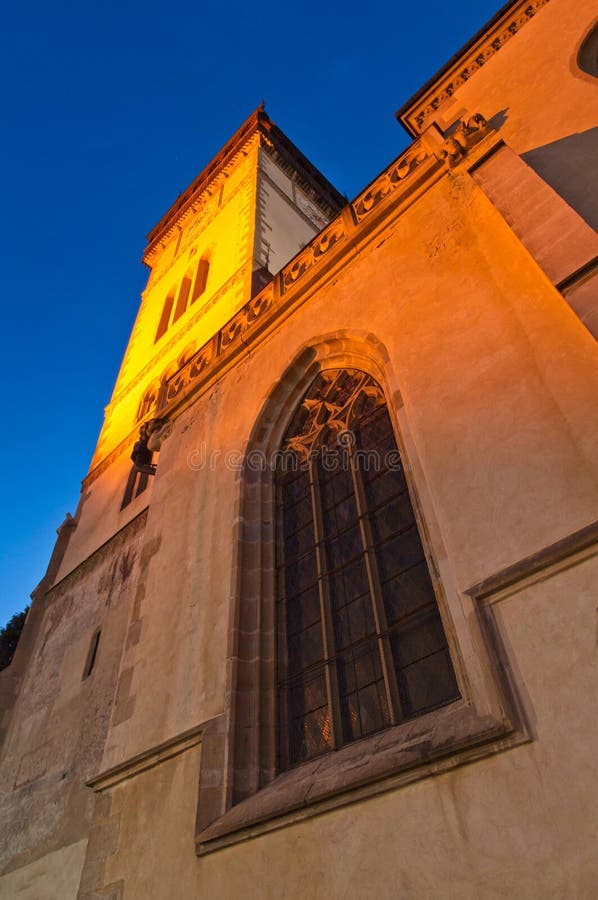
343	349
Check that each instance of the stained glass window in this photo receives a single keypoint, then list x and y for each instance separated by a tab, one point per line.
361	645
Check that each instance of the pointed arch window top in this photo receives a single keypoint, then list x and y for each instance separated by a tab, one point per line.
329	412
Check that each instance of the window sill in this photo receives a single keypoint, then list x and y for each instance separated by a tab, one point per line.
416	749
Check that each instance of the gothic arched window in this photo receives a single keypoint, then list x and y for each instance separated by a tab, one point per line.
361	645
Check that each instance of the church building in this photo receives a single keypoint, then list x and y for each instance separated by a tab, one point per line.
324	622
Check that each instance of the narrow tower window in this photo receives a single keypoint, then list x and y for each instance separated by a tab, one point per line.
148	402
165	317
201	279
181	304
92	654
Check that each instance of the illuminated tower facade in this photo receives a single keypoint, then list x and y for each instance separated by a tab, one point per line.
256	204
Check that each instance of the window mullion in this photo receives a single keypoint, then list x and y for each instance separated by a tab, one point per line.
326	612
388	669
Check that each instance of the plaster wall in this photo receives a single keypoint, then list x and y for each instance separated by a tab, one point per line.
100	515
55	876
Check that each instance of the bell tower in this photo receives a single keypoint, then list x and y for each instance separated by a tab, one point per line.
243	218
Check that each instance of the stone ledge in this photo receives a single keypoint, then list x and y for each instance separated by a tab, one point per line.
416	749
148	759
535	564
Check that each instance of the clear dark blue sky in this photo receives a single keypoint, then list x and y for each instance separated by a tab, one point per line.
109	111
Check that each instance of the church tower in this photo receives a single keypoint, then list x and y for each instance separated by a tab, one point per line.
246	214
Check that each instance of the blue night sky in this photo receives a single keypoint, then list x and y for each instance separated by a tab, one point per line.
109	111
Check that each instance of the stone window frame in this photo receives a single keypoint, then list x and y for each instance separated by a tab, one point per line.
241	795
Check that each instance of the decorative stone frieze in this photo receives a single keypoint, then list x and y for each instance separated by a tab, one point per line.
467	133
313	253
394	177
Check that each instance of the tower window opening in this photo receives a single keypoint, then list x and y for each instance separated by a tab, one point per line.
165	317
201	279
92	654
181	304
192	287
148	402
136	484
587	57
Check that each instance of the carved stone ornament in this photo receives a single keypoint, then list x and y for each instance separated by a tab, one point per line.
468	132
336	399
313	253
69	522
157	432
393	178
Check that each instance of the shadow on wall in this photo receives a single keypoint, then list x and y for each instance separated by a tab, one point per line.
570	167
498	119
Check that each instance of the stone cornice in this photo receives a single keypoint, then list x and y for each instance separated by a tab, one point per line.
555	555
154	756
420	110
199	191
409	176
